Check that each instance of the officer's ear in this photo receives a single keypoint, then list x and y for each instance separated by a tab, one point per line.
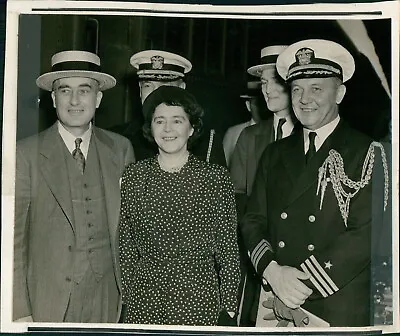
182	85
340	92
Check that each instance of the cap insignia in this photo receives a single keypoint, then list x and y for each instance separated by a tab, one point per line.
157	62
304	56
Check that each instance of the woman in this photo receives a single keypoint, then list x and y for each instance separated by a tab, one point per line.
178	229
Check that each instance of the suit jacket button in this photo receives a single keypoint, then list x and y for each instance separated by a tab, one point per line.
311	247
311	218
283	215
68	279
281	244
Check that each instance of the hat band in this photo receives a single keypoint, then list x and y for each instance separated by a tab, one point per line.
159	77
318	62
161	67
76	65
314	72
270	59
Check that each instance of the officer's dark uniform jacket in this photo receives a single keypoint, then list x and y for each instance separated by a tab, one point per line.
283	222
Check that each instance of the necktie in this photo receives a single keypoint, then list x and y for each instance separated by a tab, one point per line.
78	155
279	131
311	149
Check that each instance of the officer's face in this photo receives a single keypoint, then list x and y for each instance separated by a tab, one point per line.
171	128
147	87
274	91
75	100
315	100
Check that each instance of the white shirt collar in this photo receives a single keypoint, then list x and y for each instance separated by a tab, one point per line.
69	139
322	133
287	127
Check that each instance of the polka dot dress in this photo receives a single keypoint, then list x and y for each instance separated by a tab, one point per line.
178	243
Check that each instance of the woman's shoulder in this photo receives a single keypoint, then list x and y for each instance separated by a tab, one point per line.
210	169
139	168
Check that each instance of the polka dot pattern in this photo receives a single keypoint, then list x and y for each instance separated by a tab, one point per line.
178	243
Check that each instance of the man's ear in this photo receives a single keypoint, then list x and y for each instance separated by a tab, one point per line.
98	98
53	97
341	91
182	85
247	102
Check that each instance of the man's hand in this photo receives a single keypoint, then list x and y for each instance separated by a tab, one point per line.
25	319
286	283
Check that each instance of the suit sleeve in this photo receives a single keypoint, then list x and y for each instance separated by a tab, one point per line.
254	223
350	253
21	303
129	155
227	250
128	253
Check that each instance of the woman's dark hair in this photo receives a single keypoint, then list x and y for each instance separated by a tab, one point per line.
173	96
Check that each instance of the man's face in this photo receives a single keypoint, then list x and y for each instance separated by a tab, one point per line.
147	87
315	100
274	91
75	100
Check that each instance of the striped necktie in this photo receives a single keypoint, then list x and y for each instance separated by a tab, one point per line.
78	155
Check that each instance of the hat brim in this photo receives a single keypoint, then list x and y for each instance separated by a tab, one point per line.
257	70
46	80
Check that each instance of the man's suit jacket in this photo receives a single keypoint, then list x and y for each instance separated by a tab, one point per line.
251	144
284	222
44	224
231	138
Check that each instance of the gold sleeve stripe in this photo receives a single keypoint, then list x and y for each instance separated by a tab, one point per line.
313	281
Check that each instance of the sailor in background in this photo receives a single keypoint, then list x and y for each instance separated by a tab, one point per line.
156	68
308	221
251	99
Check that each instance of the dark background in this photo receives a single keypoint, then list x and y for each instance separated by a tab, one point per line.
220	50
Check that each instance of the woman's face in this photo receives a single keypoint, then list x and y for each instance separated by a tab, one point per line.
171	128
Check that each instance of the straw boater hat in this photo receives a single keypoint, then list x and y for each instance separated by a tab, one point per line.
268	59
157	65
253	88
315	58
75	63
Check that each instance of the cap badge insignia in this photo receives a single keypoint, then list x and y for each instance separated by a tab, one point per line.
157	62
304	56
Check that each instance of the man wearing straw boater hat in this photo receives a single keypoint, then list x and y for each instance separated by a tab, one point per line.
307	225
251	144
251	100
67	201
156	68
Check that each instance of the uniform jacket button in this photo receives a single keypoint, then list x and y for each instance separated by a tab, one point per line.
283	215
311	247
311	218
281	244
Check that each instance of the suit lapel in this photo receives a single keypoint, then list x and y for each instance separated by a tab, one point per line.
110	174
308	175
54	170
263	138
